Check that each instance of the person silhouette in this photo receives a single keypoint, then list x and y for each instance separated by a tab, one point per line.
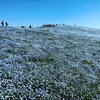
2	23
6	23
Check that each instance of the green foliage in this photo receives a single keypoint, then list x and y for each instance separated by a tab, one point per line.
22	50
11	50
28	31
3	56
91	63
47	59
38	33
29	58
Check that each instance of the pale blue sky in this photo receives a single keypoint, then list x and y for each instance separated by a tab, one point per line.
37	12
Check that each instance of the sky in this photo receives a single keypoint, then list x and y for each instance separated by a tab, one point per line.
38	12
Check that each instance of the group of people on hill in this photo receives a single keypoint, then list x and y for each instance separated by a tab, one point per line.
30	26
6	23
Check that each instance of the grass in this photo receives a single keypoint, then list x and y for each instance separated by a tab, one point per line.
47	59
50	38
28	31
22	50
91	63
3	56
29	58
38	33
11	50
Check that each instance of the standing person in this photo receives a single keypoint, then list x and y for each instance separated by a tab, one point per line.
30	26
6	23
2	23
